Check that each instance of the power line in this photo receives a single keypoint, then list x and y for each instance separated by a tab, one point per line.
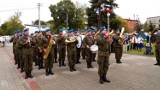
18	9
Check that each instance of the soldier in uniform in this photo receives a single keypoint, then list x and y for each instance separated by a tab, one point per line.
55	50
61	48
18	49
50	59
118	47
35	51
78	50
94	36
14	39
26	43
103	55
83	47
40	40
89	41
157	48
71	50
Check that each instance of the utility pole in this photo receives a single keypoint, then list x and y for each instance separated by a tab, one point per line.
39	22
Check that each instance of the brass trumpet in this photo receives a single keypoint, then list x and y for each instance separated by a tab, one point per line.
121	41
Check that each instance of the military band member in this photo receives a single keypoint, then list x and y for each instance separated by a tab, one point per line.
61	48
103	55
89	41
14	39
71	50
157	48
18	49
78	49
55	49
118	47
34	49
27	55
50	59
94	36
40	40
83	47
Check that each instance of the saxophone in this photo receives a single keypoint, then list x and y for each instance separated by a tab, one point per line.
51	42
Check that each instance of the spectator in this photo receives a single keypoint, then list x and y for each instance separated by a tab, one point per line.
148	37
134	42
140	42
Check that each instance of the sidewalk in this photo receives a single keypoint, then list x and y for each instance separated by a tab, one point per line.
135	73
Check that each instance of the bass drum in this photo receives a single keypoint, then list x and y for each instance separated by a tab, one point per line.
94	48
79	39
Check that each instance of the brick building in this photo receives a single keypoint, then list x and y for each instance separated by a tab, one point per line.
132	24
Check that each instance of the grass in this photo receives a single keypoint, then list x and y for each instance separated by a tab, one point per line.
138	52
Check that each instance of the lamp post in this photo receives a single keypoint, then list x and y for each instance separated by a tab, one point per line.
108	14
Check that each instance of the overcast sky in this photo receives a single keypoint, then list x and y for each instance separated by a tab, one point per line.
127	9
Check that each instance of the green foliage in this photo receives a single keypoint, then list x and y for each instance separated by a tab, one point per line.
12	24
148	27
75	15
42	22
97	15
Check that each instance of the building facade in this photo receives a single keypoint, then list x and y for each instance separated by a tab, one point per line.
132	25
155	21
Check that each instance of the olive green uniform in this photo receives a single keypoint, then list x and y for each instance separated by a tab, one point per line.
118	48
20	54
14	40
61	49
49	61
89	41
27	55
40	40
157	50
103	55
71	54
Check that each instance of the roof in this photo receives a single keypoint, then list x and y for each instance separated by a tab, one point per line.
153	17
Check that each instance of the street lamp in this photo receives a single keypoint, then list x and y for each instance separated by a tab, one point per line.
108	14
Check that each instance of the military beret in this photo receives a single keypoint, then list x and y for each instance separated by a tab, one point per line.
102	28
15	32
26	29
83	30
47	30
60	30
69	31
36	32
89	30
18	31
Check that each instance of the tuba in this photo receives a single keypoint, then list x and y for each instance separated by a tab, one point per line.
71	39
51	42
121	41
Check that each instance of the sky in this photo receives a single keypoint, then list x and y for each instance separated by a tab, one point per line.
127	9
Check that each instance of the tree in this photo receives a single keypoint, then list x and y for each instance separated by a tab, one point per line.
118	23
65	12
12	24
97	15
36	22
148	27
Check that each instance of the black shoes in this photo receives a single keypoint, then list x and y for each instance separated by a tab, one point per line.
118	61
103	79
157	64
50	72
22	70
47	72
28	75
72	69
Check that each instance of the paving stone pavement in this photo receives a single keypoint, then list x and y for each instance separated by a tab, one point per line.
135	73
